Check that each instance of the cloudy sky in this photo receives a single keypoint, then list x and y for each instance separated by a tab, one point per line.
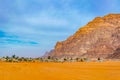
31	27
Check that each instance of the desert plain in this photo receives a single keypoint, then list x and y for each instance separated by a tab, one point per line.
107	70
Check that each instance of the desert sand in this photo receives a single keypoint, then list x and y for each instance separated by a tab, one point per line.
60	71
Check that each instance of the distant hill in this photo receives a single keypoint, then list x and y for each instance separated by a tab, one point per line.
99	38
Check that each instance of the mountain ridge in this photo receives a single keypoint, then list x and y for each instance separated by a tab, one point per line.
99	38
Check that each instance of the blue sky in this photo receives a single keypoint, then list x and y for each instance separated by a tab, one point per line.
31	27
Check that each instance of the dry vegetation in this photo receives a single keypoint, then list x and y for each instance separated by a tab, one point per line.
107	70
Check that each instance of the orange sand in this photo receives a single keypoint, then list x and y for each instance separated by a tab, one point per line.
60	71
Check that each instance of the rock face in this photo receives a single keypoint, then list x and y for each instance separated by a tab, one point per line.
115	55
99	38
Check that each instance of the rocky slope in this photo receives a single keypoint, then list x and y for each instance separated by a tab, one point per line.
99	38
115	55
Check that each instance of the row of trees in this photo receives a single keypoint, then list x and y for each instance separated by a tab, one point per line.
15	58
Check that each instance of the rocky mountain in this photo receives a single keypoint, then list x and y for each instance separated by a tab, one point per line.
115	55
99	38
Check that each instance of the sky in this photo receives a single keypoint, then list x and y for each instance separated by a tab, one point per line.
31	27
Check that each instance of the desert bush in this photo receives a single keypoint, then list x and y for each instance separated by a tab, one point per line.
14	56
65	59
49	57
100	59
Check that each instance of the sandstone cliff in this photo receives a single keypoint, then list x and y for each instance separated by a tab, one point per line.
99	38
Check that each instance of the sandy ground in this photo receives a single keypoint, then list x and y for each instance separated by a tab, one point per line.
60	71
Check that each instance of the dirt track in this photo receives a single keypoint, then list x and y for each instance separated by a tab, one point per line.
60	71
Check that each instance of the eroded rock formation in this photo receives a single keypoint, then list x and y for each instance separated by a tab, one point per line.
99	38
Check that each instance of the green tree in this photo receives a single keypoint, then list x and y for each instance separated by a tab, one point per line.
14	56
